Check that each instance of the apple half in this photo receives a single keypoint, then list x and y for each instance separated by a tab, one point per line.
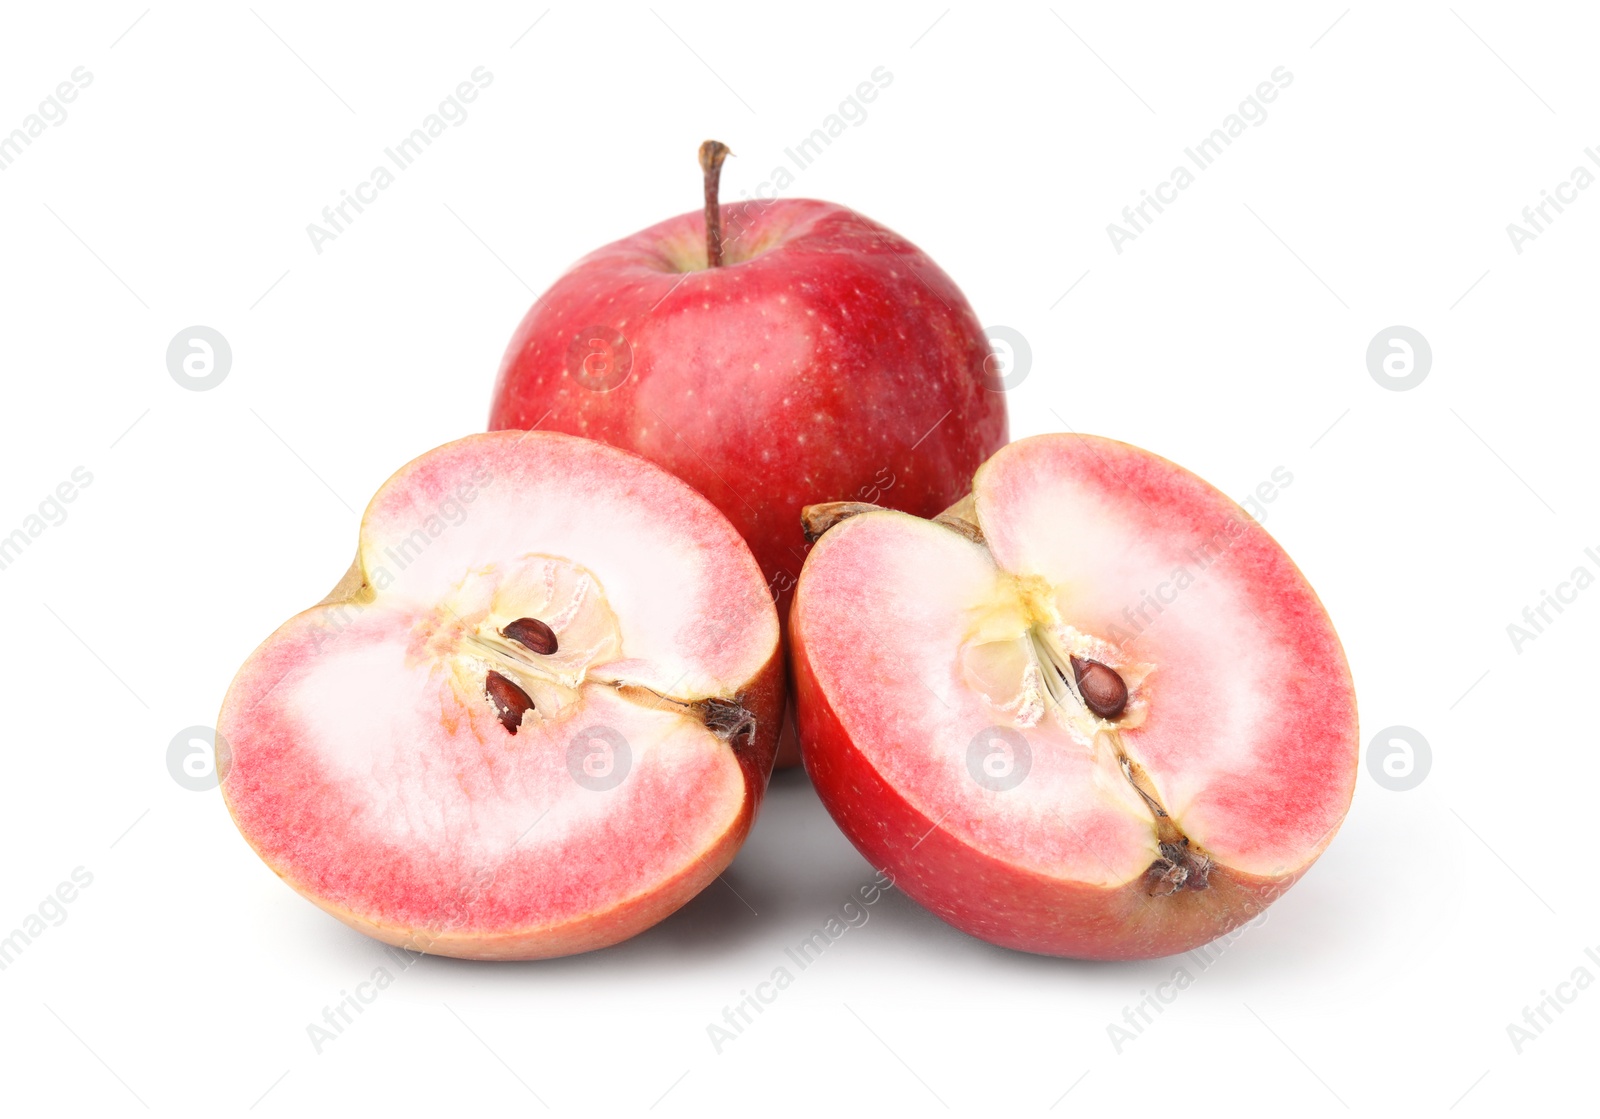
536	717
1092	710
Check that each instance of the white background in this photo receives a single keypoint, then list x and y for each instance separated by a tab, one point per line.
1230	336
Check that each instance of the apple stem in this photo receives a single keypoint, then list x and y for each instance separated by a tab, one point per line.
712	153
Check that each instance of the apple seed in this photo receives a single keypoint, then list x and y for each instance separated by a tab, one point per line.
509	701
534	634
1103	691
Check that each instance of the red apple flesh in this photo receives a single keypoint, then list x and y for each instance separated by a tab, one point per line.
825	359
537	715
1093	710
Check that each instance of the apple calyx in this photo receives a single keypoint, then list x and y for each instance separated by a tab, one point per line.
1083	693
1182	865
728	719
712	153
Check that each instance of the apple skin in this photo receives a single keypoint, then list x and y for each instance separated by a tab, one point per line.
828	359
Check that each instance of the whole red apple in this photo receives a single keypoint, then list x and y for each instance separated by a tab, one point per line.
773	354
1092	710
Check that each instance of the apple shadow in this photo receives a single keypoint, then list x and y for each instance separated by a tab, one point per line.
793	873
795	866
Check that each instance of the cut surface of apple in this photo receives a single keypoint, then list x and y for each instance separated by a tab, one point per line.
536	716
1092	710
